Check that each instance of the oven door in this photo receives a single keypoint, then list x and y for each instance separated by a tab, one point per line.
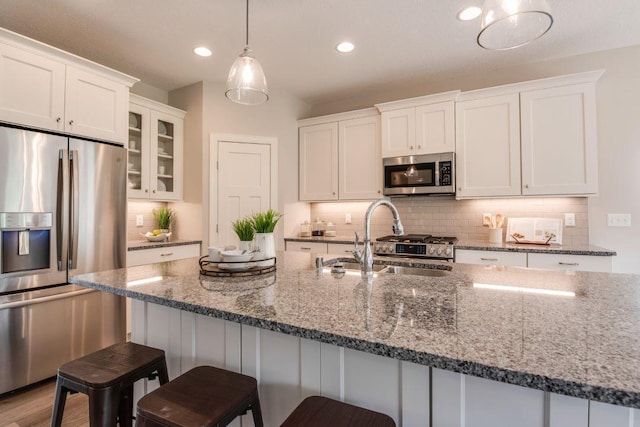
426	174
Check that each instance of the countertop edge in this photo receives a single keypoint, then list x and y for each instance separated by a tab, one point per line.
534	381
143	244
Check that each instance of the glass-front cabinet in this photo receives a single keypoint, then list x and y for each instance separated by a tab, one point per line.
155	150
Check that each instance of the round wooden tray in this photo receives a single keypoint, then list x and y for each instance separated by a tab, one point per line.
236	269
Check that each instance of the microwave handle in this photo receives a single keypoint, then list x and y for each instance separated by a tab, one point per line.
437	173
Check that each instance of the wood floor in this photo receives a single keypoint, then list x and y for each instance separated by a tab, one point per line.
32	408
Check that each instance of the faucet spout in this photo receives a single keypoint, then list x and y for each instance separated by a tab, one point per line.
366	257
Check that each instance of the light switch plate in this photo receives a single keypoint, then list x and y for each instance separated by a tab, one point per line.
347	218
619	220
139	221
570	220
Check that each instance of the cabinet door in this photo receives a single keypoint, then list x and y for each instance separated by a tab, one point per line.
559	141
95	106
488	147
166	253
570	262
514	259
399	132
31	89
360	169
318	153
138	168
165	157
435	128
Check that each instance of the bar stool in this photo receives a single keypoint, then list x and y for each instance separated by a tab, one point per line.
107	377
318	411
204	396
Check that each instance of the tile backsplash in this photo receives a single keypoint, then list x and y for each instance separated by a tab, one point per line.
146	210
446	216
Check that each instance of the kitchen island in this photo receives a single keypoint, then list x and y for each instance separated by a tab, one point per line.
477	346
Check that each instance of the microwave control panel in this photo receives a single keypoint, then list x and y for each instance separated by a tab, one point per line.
445	173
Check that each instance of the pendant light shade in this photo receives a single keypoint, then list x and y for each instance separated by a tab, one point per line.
513	23
246	83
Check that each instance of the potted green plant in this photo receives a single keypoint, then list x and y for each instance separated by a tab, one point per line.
244	230
264	223
164	218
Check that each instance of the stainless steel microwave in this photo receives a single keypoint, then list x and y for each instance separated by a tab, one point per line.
423	174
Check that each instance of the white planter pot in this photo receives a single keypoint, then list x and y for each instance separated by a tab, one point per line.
266	244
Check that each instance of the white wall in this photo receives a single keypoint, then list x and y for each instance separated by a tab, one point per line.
618	97
276	118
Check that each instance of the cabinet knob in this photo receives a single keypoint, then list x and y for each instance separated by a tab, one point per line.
154	191
419	147
146	190
379	191
526	186
459	188
334	193
58	120
411	147
70	122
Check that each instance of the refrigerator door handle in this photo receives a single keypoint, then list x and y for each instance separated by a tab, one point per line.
75	208
62	210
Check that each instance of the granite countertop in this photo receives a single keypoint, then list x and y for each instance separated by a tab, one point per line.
583	342
483	245
137	245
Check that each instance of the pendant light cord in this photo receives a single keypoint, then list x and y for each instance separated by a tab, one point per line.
247	35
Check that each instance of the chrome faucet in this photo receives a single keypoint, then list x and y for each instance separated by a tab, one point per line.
365	258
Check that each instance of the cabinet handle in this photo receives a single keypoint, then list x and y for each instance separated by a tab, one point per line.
488	259
569	263
169	254
70	122
305	249
58	120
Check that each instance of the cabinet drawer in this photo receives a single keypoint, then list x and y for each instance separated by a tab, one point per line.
570	262
515	259
169	253
342	248
316	247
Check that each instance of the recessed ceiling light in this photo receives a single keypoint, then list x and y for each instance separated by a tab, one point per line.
469	13
345	47
202	51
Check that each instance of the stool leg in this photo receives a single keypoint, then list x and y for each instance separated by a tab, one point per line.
103	406
125	413
163	375
256	411
58	403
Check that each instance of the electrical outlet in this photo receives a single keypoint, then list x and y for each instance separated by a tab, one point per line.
347	218
570	220
619	220
139	221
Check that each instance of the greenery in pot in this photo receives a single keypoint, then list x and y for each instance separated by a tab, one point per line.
265	222
244	229
164	217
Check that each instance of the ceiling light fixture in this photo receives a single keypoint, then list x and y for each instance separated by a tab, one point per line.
345	47
469	13
246	83
201	51
513	23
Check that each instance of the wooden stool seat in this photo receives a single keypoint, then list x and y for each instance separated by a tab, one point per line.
321	412
107	377
204	396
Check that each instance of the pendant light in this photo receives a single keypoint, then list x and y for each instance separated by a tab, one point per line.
246	83
513	23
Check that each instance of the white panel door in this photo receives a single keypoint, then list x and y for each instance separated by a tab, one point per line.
360	169
244	184
435	128
398	132
559	140
488	147
318	162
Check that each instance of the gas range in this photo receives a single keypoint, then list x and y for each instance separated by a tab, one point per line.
416	246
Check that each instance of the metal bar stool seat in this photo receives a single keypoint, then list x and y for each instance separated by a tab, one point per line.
318	411
204	397
107	377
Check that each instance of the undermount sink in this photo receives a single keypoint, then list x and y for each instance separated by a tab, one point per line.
354	266
429	272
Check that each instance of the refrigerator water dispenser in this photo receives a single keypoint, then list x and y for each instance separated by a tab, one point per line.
25	241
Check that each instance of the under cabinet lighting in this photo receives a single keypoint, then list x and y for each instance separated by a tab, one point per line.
525	290
469	13
345	47
202	51
145	281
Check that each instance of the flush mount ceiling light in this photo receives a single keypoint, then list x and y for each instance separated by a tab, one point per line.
469	13
513	23
345	47
201	51
246	83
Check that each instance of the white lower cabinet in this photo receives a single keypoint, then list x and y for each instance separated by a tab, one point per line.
514	259
536	260
289	368
315	247
167	253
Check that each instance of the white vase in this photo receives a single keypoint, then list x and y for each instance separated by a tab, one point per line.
266	244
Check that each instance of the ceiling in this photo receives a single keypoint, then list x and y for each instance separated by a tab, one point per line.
398	42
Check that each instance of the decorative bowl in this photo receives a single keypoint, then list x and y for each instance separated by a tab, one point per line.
156	238
236	256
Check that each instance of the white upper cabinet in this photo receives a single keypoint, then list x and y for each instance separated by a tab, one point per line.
488	147
532	138
559	140
44	87
155	150
420	125
340	157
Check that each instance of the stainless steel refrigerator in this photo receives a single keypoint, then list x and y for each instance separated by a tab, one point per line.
62	213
